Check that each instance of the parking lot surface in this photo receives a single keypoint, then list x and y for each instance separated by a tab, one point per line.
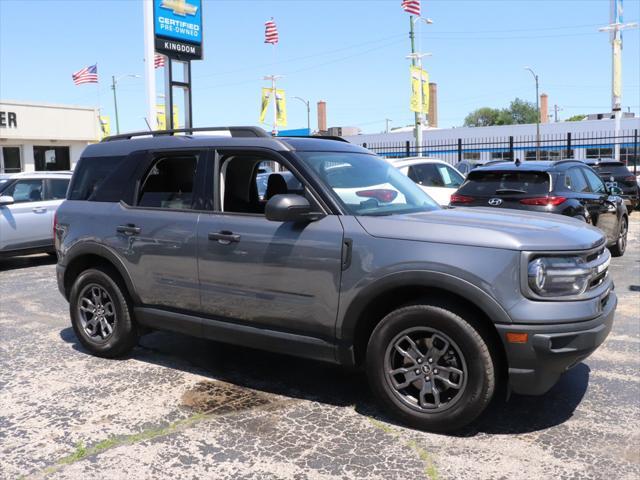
180	407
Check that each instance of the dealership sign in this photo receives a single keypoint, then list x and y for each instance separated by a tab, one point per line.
178	28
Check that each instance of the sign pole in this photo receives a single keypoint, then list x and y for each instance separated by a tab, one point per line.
418	116
149	64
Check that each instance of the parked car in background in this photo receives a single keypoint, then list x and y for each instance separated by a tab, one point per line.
465	166
437	178
616	174
565	187
28	202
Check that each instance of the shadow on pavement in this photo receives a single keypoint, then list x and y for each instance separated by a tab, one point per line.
316	381
14	263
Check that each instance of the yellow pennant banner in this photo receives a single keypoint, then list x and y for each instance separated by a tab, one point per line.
419	90
105	126
264	104
281	108
161	117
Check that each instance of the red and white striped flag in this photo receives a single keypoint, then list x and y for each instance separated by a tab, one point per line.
411	6
158	61
86	75
271	32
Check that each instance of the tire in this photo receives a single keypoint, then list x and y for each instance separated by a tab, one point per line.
618	249
467	353
100	290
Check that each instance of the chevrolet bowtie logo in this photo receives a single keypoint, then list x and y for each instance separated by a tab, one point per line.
179	7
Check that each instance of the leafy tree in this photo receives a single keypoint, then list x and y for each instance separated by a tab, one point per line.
518	112
576	118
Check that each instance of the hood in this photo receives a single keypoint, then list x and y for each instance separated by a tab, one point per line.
487	227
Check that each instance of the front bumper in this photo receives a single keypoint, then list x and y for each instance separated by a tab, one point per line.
551	349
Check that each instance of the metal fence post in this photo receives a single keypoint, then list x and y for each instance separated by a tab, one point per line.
459	150
407	147
569	145
364	145
635	152
511	148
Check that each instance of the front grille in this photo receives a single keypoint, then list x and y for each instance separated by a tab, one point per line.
592	256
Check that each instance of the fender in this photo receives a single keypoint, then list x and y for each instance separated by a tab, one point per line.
93	248
422	278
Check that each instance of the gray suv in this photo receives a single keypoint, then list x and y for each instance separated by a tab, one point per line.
352	264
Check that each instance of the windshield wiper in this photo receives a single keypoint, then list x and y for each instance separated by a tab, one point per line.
510	190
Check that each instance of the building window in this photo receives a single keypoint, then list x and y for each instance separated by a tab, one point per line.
500	156
549	155
51	158
627	156
471	155
10	160
599	152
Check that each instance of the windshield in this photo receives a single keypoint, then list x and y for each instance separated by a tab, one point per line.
367	185
4	182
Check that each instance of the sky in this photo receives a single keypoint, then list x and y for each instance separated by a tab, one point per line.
350	53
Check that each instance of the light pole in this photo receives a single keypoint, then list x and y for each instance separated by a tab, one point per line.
308	104
415	60
387	122
535	76
114	83
615	28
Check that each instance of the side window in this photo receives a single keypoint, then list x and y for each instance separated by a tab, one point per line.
90	174
450	177
57	189
596	183
169	183
426	175
247	183
25	191
574	180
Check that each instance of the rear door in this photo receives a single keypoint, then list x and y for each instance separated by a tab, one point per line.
156	235
604	213
27	222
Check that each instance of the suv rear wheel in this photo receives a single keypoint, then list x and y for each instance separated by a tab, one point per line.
100	314
618	249
430	368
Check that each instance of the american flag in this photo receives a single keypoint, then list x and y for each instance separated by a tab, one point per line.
86	75
411	6
158	61
271	32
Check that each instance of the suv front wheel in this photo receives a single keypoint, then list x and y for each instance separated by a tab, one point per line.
430	368
100	314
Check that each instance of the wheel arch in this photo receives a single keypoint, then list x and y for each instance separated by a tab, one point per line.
401	289
87	256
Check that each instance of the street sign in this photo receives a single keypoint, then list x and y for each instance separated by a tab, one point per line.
178	28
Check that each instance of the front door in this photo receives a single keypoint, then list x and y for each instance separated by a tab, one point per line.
603	212
277	275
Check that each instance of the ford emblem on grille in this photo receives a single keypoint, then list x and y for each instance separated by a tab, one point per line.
495	202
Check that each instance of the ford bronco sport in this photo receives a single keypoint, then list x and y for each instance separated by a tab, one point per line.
352	264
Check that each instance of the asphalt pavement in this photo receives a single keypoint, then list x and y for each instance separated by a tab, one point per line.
180	407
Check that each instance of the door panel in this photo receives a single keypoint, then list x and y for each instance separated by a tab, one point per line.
282	276
603	212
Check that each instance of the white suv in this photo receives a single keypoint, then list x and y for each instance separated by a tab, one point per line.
437	178
28	202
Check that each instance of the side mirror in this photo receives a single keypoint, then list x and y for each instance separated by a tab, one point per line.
615	191
290	208
6	200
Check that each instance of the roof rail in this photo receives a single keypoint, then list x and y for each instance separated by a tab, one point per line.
234	131
319	137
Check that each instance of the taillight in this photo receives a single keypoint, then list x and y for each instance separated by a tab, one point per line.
55	225
380	194
543	201
457	198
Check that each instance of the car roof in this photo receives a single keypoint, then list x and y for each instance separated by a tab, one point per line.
594	162
530	166
118	147
415	161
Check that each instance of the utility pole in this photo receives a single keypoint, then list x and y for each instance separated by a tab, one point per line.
535	76
615	28
416	61
114	83
149	64
387	122
556	109
308	104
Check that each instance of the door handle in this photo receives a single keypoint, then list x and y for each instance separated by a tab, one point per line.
38	210
225	237
128	229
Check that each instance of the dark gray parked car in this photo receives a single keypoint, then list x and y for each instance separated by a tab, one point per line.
361	268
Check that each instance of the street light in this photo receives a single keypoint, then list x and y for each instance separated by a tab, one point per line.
307	103
535	77
114	83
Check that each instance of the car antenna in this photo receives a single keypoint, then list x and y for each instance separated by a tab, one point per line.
517	162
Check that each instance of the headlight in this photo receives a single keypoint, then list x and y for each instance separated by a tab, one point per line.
558	276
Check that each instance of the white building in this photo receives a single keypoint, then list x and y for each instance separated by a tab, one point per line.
39	136
579	140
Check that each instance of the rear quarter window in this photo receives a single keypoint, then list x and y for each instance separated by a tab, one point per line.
483	183
94	178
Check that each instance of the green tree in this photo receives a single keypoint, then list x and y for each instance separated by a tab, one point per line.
519	111
576	118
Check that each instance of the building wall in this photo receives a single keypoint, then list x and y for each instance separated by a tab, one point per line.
25	125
